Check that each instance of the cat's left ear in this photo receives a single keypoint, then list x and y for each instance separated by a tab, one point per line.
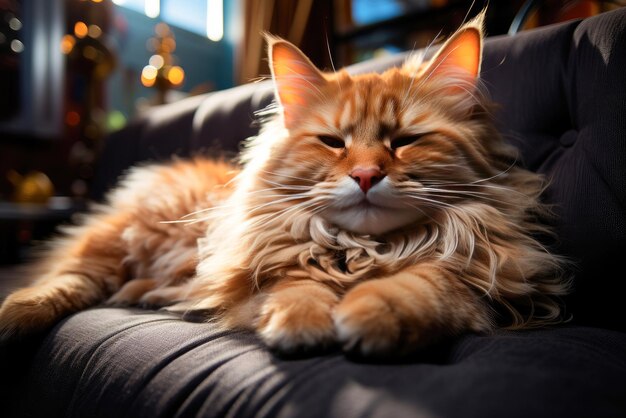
461	55
296	79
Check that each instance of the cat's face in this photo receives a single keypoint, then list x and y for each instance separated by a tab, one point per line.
373	148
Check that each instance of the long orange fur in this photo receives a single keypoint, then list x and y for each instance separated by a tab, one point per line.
445	246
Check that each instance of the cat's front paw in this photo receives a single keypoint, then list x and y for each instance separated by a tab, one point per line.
376	320
298	320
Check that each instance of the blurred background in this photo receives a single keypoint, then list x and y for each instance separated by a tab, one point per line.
73	71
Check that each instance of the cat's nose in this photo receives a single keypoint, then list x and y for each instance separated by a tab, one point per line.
367	177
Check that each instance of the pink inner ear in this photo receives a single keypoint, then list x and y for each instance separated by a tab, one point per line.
460	55
295	76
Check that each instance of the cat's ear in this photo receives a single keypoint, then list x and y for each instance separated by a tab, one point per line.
461	55
296	79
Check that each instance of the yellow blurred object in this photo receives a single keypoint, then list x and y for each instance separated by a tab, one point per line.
34	187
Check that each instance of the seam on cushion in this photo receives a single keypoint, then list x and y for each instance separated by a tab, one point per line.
620	204
92	354
548	163
568	93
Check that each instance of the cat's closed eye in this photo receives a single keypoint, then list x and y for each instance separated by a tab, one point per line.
332	141
404	140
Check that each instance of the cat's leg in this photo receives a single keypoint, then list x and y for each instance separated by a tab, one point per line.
411	309
82	270
296	315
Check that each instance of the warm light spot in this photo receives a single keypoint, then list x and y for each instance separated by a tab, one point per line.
94	31
67	44
72	118
215	20
152	8
176	75
162	29
17	46
168	45
97	1
148	75
90	53
80	29
156	61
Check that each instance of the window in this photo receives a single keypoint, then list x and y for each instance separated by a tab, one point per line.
204	17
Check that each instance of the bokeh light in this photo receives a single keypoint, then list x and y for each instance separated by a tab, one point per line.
148	75
157	61
72	118
90	53
94	31
176	75
17	46
80	30
15	24
67	44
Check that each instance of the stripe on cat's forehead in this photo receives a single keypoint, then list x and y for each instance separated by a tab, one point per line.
368	114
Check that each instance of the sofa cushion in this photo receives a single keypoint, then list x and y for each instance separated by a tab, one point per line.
113	362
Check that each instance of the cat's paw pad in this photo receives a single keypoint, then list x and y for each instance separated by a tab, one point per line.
367	325
297	328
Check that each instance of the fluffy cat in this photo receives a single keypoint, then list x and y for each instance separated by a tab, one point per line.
382	212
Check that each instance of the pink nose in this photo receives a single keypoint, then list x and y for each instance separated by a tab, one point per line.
367	177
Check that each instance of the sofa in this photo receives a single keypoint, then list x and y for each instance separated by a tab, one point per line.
561	94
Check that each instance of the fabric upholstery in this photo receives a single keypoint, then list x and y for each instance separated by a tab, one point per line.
132	363
562	99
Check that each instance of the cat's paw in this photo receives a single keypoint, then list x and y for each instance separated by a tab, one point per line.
295	321
25	313
162	296
37	308
374	320
131	292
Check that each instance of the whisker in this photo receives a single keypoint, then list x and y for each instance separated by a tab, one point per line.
436	203
287	176
286	186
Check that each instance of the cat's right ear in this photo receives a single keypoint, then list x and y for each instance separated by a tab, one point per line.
296	79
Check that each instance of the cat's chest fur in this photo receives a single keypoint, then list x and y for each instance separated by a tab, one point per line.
325	253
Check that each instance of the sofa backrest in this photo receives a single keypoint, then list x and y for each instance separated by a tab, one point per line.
563	95
561	92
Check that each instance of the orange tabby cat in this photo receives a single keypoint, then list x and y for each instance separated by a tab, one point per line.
380	211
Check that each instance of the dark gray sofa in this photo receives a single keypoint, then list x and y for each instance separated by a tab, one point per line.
562	95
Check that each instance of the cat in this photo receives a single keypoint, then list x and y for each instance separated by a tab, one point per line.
381	213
